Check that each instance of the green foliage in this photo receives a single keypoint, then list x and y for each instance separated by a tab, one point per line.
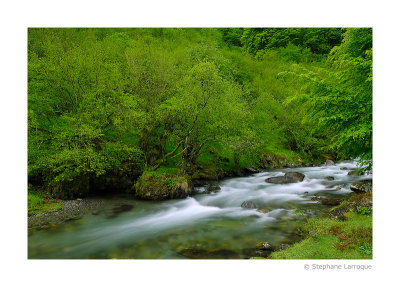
170	182
294	53
363	210
122	101
341	100
366	248
317	40
232	36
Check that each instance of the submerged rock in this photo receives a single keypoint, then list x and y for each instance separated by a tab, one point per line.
329	178
264	209
361	186
289	177
119	209
248	205
343	168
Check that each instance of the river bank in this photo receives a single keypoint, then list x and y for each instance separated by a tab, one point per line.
345	233
71	210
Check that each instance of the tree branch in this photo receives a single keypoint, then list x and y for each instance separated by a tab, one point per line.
168	155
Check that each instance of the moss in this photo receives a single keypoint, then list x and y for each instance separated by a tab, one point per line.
211	174
160	186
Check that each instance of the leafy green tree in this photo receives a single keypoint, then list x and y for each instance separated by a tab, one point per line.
318	40
204	111
341	99
75	101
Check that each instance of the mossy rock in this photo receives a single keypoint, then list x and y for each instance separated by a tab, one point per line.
355	173
162	187
264	246
361	186
352	205
208	174
264	209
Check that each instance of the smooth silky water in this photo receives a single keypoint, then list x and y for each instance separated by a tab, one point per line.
202	226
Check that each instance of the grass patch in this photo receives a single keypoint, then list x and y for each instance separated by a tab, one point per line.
38	204
327	238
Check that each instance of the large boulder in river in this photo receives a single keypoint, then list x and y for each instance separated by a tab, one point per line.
161	187
289	177
295	175
362	186
329	162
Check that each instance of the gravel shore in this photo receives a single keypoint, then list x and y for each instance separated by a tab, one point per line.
72	209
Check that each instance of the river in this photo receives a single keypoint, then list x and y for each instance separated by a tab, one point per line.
203	226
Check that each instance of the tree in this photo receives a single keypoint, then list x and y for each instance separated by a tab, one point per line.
341	101
75	102
204	110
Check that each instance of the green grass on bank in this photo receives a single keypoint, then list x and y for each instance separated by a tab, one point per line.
328	238
38	204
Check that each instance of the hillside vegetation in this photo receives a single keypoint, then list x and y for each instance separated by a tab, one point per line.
106	106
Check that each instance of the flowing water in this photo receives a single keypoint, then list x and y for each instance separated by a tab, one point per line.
203	226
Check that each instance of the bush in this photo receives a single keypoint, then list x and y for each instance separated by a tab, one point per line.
295	53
